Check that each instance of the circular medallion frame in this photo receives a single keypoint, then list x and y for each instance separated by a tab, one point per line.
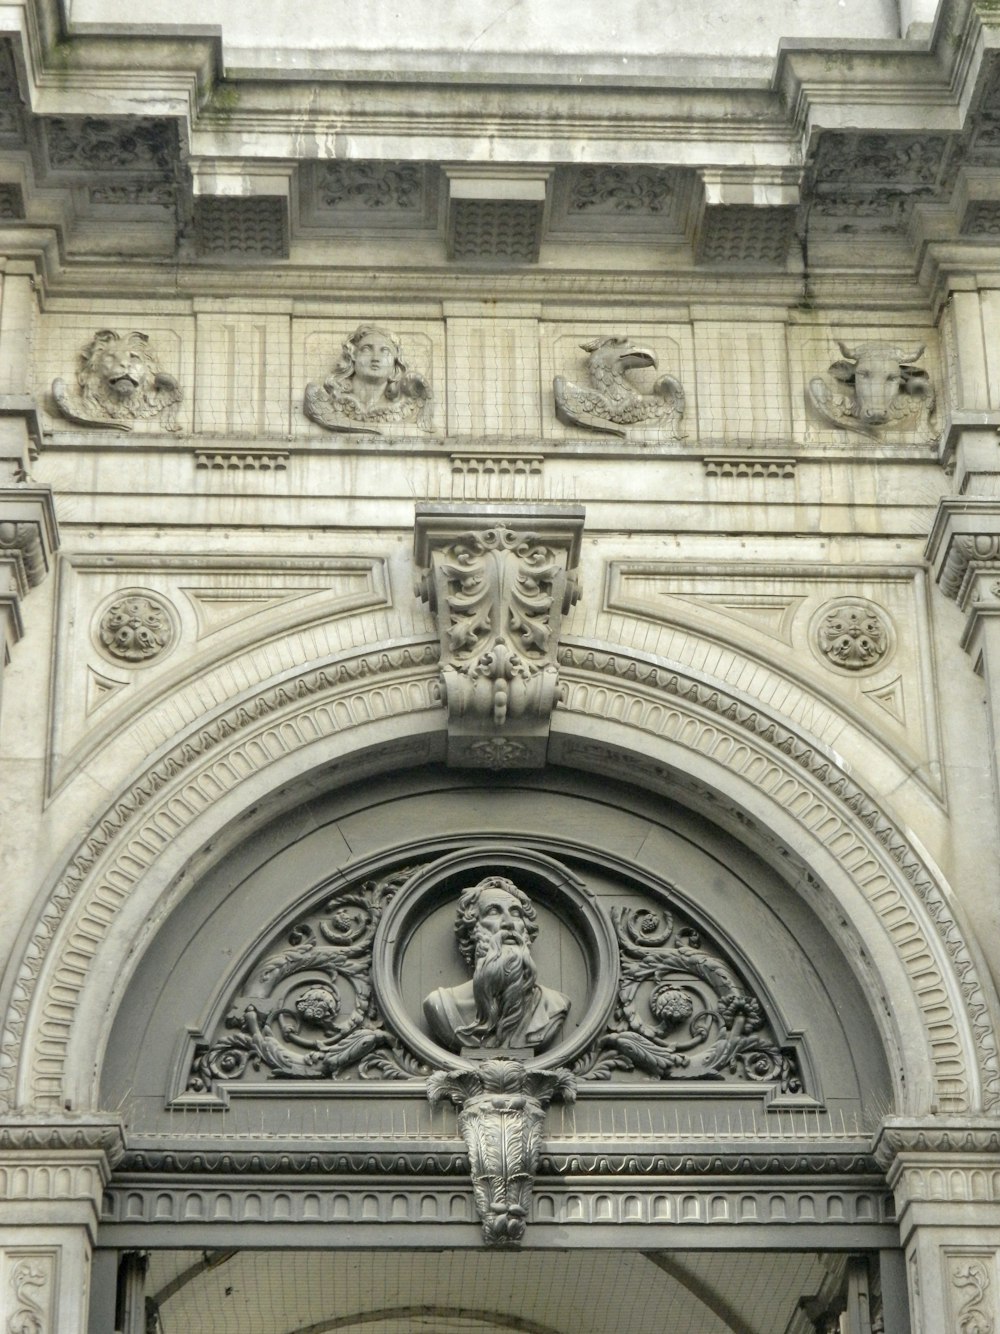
135	628
414	923
865	627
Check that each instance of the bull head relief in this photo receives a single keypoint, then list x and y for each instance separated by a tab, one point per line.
499	582
875	387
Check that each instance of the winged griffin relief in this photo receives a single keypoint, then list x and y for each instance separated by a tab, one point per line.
610	403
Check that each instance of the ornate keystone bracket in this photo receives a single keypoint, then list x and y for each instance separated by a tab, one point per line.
502	1108
499	582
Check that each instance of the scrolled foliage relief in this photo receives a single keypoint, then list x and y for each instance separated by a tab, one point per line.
308	1011
682	1012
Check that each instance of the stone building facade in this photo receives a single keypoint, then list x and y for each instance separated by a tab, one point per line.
501	528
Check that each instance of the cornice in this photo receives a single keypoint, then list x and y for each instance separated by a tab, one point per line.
78	69
448	1158
934	1137
37	1133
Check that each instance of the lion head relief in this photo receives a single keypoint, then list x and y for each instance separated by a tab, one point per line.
119	381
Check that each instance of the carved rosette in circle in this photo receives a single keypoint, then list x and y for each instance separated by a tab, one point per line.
853	635
136	628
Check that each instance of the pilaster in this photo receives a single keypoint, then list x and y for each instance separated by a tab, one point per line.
970	442
52	1179
964	551
945	1177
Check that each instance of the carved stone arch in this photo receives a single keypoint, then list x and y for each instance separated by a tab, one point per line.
348	718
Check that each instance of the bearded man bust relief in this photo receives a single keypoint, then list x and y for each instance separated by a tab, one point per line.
502	1006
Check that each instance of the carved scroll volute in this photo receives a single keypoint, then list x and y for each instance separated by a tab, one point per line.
498	583
502	1108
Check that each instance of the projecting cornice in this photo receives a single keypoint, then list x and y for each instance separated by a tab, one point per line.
764	162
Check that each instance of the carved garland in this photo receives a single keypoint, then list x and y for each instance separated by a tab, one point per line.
683	1012
204	762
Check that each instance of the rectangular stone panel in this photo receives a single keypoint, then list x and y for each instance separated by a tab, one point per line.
743	391
493	376
243	372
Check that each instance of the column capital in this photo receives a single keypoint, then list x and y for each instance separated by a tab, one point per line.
964	552
54	1171
943	1172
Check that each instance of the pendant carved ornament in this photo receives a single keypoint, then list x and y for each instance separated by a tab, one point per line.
635	995
499	591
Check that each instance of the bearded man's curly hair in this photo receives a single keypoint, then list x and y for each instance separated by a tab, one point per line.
467	915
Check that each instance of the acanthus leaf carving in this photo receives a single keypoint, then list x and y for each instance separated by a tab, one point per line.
502	1108
499	593
370	185
970	1277
308	1011
610	404
853	634
608	189
94	143
682	1012
29	1279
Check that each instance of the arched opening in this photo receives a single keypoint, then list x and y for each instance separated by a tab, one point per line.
731	1197
706	898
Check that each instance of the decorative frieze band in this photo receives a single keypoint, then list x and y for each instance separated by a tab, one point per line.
423	1202
750	467
242	460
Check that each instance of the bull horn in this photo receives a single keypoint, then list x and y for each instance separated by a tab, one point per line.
847	352
907	358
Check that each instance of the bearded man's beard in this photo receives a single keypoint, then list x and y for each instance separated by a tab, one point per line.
503	987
